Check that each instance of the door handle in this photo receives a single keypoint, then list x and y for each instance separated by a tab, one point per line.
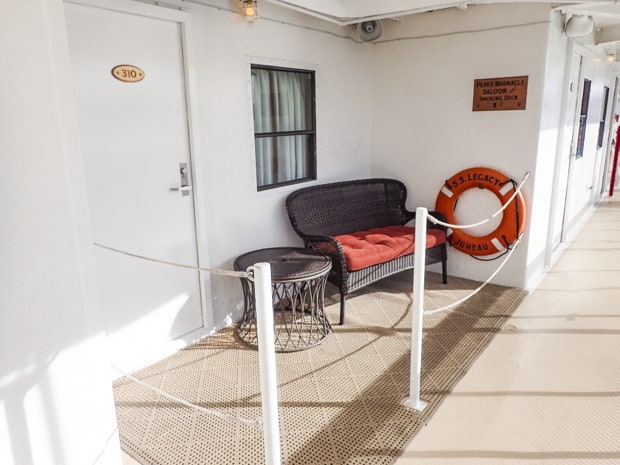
185	187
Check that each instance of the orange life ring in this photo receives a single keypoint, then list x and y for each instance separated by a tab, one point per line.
513	219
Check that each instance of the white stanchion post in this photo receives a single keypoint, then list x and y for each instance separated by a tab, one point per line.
267	363
417	313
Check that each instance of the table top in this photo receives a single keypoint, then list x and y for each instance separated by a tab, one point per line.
287	263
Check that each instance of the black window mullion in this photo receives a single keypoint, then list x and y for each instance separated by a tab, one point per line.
284	133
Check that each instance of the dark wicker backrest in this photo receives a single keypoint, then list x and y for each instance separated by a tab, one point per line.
346	207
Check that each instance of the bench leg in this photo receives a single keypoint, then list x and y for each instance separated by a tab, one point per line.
341	308
444	264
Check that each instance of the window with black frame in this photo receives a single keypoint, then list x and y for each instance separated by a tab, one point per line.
583	118
283	102
603	121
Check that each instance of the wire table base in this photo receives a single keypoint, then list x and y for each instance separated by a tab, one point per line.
298	287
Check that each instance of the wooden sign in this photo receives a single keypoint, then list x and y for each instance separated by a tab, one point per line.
127	73
507	93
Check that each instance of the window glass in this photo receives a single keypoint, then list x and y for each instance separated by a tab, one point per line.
583	118
601	125
284	120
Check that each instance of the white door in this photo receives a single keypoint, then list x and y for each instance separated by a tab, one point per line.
129	78
569	135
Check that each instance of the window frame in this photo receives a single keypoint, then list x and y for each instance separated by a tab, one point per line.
312	132
582	120
603	119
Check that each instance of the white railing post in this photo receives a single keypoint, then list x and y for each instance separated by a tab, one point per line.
417	313
267	363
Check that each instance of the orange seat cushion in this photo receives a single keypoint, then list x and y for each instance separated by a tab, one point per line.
379	245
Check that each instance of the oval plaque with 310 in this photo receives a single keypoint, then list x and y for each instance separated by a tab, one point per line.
128	73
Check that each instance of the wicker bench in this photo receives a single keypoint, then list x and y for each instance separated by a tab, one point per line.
360	225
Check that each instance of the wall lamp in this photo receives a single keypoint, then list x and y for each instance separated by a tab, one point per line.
611	56
249	10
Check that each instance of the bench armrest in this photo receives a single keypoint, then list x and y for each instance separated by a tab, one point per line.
332	248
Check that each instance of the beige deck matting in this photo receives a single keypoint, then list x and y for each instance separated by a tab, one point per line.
340	402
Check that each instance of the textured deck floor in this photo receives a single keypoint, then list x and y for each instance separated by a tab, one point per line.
547	388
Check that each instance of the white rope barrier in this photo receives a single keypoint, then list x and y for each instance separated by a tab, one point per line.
479	288
434	220
258	422
236	274
422	216
261	275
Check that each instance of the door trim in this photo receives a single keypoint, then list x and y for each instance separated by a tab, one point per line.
184	19
136	8
551	250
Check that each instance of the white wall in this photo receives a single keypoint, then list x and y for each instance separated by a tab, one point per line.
423	125
237	218
586	173
399	107
56	404
545	181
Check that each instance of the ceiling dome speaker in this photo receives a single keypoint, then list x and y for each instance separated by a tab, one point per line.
579	26
369	30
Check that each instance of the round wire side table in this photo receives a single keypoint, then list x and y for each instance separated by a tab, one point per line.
298	278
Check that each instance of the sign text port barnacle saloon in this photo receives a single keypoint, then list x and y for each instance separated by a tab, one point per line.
494	94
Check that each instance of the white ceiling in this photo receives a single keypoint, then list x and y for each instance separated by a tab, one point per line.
606	14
